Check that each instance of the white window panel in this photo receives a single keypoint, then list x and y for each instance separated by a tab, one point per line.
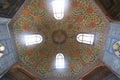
85	38
58	9
33	39
2	48
1	54
59	61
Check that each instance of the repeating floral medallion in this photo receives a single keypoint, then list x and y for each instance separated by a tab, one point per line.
37	18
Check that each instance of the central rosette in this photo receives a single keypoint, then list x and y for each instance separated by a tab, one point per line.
59	36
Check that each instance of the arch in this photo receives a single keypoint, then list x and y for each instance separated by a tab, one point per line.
85	38
59	61
33	39
58	9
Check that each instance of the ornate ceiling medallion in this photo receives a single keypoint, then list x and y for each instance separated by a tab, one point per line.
59	36
116	48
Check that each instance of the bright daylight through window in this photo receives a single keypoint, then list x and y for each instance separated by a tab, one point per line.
59	61
85	38
2	48
58	9
33	39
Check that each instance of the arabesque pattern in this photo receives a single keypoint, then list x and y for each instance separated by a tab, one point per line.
37	18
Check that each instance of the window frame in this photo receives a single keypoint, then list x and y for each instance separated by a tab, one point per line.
2	50
89	42
60	59
37	38
59	11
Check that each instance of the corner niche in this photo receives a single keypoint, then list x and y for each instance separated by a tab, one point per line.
111	8
8	8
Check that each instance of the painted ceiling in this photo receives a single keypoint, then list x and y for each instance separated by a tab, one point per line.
80	17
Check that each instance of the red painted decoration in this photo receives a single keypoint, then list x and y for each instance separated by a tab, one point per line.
89	10
92	24
26	12
24	27
79	19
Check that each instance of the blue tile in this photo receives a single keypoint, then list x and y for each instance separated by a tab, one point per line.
4	20
109	58
108	44
3	32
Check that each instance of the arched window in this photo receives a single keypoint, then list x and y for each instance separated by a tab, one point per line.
33	39
2	48
59	61
85	38
58	9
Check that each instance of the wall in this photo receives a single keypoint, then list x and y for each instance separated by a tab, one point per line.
8	8
8	58
112	77
110	59
111	8
5	78
98	73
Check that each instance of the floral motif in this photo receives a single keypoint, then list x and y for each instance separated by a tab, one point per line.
37	19
25	27
36	64
75	4
77	55
72	66
29	53
92	25
80	17
47	67
26	12
41	5
42	55
84	63
89	52
89	10
70	26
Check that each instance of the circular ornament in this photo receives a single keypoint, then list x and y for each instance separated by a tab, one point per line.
59	36
116	48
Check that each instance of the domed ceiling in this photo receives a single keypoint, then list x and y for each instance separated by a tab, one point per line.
80	17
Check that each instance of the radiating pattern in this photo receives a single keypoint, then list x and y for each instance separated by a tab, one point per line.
80	17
